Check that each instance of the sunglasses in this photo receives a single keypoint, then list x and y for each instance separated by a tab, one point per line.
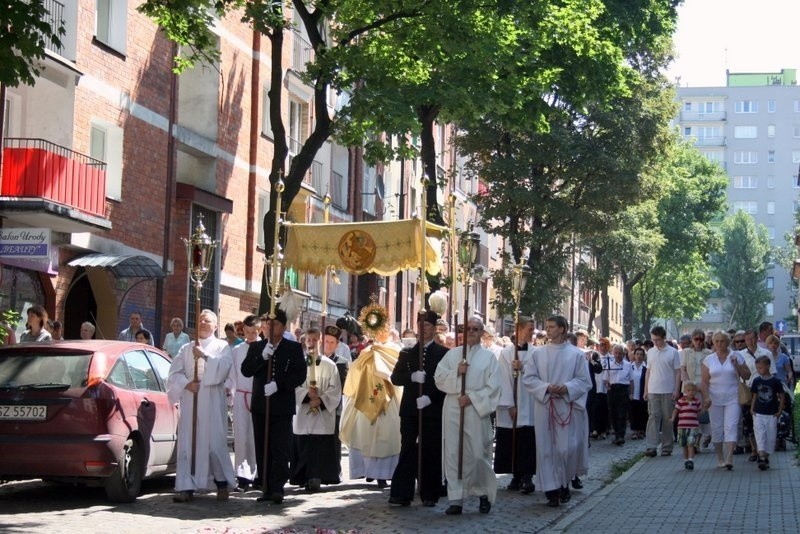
474	329
738	341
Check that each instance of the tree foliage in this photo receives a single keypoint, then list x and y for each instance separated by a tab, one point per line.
741	268
26	28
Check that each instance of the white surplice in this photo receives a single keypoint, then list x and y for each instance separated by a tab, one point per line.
524	399
562	431
483	390
244	444
212	461
329	388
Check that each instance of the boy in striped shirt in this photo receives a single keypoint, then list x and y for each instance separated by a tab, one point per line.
687	410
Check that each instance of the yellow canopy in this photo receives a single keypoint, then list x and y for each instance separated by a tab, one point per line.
381	247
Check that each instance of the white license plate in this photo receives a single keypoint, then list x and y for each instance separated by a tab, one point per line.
28	413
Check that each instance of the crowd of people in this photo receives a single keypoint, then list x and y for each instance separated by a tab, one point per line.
446	412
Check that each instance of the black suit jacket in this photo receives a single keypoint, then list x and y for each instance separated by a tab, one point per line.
407	363
288	371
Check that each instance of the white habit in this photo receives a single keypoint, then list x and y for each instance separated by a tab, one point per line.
212	461
562	429
483	390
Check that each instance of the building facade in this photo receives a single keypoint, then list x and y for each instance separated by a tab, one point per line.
751	127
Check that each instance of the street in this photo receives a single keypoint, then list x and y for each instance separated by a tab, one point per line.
655	495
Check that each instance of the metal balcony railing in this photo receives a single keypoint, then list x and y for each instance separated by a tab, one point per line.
55	18
37	168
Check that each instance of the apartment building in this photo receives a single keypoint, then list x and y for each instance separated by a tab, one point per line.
751	127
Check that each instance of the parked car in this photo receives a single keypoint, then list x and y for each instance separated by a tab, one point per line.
94	412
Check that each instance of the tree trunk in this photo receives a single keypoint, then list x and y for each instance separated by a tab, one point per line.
604	326
427	117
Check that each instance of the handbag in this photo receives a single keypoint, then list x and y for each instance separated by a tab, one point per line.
745	396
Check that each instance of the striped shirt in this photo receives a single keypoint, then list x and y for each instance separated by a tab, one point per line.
687	412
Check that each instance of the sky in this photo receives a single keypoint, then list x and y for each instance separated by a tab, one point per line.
739	35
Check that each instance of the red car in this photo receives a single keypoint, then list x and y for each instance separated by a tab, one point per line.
94	412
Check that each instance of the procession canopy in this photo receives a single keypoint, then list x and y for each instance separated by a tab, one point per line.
380	247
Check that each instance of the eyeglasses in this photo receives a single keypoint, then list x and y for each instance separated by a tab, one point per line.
738	340
472	329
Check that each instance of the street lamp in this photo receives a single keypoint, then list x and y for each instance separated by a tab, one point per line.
467	255
519	279
199	255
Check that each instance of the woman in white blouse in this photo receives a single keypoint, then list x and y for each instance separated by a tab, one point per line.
720	373
174	340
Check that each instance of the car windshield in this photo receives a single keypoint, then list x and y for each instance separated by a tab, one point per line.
43	370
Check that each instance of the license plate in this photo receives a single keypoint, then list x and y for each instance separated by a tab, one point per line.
23	412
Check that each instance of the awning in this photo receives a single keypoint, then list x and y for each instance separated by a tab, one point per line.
380	247
121	266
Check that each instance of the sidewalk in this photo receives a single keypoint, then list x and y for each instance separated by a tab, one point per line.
659	495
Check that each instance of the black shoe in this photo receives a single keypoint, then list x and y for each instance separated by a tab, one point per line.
429	504
527	488
619	442
453	509
564	495
263	498
276	498
576	483
382	483
650	453
553	502
514	485
738	450
370	479
689	465
394	501
485	505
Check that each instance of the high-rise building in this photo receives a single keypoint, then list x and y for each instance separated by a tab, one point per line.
751	127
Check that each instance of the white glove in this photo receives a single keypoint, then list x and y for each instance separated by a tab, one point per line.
268	350
418	377
423	402
270	388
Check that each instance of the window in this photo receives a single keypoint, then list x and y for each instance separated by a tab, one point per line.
111	23
769	309
770	106
795	156
687	106
298	125
796	130
770	182
746	106
770	282
266	121
745	156
338	190
717	156
771	130
745	182
747	206
771	207
797	106
105	144
709	107
771	156
687	131
263	208
745	132
707	132
771	233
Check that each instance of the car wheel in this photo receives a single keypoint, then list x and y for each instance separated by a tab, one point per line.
125	482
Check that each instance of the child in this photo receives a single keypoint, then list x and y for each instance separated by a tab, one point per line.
766	407
687	409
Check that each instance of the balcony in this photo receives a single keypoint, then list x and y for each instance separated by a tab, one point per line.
47	185
711	141
302	53
712	116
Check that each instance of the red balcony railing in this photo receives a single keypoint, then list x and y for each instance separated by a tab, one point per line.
41	169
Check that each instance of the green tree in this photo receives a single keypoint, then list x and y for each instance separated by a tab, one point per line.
741	268
693	197
26	29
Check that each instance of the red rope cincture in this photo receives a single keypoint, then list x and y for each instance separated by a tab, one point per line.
555	417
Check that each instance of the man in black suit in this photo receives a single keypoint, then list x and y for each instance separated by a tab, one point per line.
407	373
274	384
